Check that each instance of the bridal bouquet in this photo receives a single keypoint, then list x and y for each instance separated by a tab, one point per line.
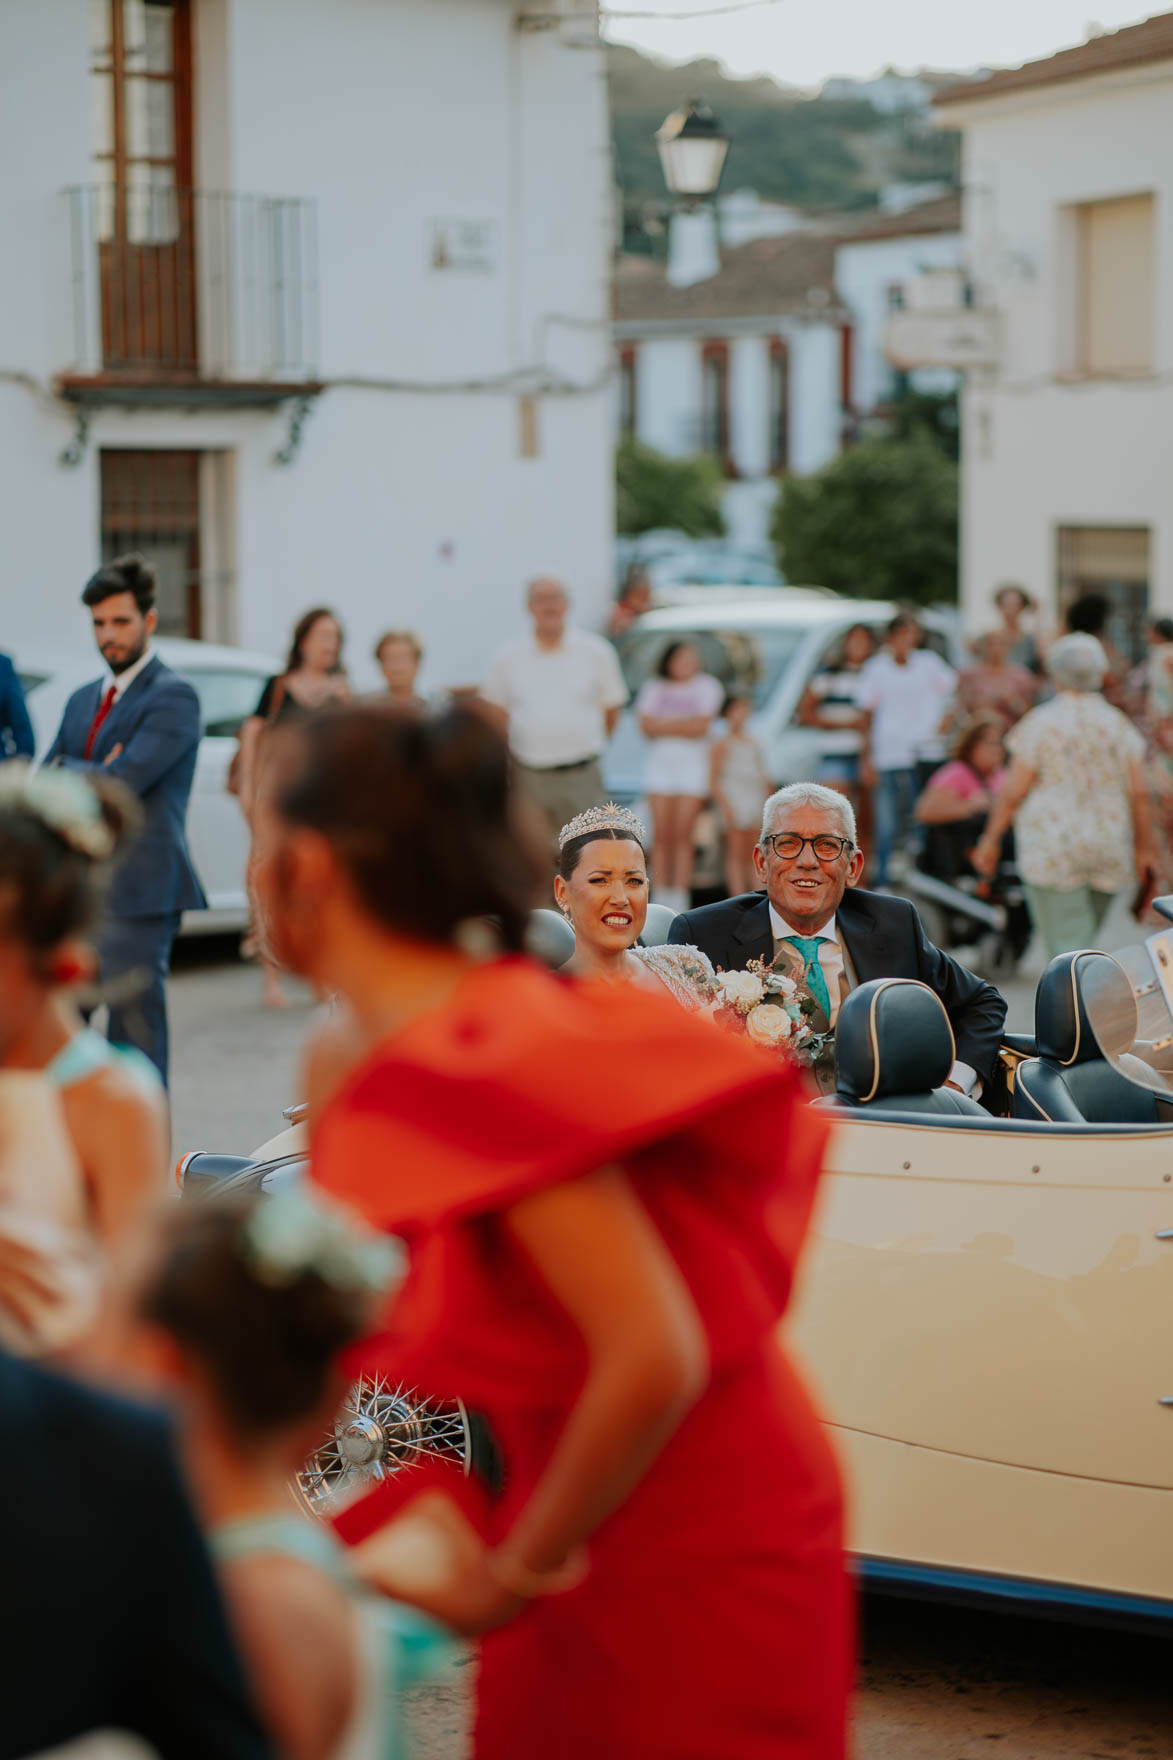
773	1009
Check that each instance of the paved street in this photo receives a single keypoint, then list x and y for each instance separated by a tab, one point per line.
936	1683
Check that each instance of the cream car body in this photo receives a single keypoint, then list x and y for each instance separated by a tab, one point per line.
986	1314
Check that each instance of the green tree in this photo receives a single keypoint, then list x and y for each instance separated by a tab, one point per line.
652	490
931	414
878	522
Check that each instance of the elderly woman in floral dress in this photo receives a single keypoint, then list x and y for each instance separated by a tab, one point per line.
1077	797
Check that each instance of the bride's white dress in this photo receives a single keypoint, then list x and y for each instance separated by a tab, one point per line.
685	972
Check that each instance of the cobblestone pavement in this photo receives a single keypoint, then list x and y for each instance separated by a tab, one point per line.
935	1683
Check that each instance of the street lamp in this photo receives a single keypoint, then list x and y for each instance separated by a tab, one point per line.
692	147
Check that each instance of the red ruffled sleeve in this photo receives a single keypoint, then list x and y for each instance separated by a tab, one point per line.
526	1080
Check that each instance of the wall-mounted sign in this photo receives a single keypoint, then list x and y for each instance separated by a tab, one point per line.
469	247
964	338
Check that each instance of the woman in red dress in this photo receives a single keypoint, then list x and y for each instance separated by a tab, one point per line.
603	1200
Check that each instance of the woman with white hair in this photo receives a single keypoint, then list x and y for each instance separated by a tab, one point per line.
1076	795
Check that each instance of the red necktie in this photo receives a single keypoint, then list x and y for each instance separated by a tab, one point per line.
104	708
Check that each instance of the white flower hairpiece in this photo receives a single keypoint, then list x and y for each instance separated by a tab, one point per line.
611	817
63	801
291	1235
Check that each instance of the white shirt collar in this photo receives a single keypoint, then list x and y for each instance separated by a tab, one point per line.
782	929
122	680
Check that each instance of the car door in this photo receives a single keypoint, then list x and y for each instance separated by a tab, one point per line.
217	833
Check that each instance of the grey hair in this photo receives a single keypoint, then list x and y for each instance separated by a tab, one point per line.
1077	663
810	794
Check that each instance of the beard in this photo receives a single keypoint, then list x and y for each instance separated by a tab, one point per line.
126	661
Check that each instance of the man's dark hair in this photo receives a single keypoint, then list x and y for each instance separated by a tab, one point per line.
1088	614
1163	627
126	574
902	620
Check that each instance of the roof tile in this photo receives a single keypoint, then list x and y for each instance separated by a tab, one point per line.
1152	40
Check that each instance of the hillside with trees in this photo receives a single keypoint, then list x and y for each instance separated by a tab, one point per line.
808	151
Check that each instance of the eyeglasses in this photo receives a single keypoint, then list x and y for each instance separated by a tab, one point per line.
788	846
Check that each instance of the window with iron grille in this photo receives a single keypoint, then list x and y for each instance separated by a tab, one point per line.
1115	562
779	406
151	504
715	400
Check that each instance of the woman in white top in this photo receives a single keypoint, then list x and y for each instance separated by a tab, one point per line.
601	888
676	711
59	833
1077	797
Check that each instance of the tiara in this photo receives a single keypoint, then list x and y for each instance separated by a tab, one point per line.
611	817
61	800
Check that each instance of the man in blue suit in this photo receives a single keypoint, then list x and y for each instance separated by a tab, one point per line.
140	724
16	730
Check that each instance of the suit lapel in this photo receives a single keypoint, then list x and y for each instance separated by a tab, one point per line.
122	707
868	952
752	936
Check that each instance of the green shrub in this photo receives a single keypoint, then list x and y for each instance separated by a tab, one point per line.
652	490
878	522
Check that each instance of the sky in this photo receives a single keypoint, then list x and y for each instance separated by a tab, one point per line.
803	42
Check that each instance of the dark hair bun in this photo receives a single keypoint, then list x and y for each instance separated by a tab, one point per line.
270	1352
52	890
421	812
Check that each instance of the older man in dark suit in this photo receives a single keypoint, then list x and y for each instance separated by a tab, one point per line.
140	724
835	936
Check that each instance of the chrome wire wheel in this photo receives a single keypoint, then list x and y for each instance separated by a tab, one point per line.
381	1428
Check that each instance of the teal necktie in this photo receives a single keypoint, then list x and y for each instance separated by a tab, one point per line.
816	983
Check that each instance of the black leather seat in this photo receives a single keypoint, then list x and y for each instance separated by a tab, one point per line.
894	1049
1072	1080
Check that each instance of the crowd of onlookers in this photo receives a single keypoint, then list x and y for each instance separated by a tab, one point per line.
1045	749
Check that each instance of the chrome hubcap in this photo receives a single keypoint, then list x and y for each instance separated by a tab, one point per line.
381	1429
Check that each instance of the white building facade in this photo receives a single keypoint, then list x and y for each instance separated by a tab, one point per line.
1068	431
775	360
310	303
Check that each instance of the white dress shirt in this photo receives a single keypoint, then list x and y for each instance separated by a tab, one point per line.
832	965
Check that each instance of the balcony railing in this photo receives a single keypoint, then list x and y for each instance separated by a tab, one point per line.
192	286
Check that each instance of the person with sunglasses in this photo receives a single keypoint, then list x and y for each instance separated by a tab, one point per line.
813	912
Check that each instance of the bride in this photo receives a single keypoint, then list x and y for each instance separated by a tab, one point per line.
601	888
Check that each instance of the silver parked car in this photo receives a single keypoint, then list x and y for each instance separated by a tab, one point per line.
767	643
228	682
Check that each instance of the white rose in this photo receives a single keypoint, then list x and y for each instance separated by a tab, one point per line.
767	1025
780	985
741	990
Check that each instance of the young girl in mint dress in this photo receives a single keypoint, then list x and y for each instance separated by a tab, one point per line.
242	1319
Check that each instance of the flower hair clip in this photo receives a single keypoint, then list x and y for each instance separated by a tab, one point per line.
291	1235
63	802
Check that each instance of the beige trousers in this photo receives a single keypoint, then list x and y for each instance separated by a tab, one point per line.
561	795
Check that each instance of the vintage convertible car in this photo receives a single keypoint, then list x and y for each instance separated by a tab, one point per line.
986	1305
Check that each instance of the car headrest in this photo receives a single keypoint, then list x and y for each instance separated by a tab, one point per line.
550	938
1071	984
892	1037
660	919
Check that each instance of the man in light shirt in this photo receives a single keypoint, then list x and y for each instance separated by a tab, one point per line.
905	690
833	934
560	691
